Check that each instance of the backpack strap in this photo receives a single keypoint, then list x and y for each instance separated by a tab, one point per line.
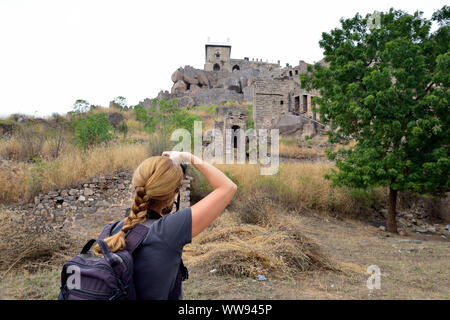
106	232
135	237
184	271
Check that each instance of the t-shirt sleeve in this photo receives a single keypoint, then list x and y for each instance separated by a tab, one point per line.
176	228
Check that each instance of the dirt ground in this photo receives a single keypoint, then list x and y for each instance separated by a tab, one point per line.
412	267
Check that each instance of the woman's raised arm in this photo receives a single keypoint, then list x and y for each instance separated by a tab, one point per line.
205	211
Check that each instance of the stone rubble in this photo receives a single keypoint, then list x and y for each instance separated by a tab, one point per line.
61	208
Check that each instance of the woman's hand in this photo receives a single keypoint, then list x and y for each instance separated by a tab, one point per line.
178	157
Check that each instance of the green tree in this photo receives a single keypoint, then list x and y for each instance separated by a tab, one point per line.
143	116
81	106
120	103
92	130
386	85
169	116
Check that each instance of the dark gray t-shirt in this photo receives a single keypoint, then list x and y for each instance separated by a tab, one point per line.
157	274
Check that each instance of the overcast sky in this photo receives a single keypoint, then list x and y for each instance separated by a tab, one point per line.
54	52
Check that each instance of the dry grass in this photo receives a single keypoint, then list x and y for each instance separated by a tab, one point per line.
14	185
206	116
70	168
296	152
277	250
128	115
31	247
136	130
296	185
296	148
19	148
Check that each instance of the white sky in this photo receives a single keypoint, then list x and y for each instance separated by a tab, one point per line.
54	52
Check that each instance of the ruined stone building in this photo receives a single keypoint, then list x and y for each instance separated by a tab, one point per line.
274	91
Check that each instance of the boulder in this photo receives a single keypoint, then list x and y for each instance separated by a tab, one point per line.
115	118
177	75
189	79
202	79
194	88
186	101
289	124
191	76
179	87
230	83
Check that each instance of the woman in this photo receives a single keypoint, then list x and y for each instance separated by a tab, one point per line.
157	272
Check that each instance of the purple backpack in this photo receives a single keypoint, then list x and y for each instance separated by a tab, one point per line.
88	277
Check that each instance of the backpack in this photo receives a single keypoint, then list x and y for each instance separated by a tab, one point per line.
110	277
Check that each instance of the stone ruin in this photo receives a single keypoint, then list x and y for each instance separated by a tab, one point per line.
275	93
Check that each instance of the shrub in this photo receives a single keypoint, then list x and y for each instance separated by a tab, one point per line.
92	130
123	128
143	116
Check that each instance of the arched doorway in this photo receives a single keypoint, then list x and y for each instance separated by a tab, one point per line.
236	67
216	67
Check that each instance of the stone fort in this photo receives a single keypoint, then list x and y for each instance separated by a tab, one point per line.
273	90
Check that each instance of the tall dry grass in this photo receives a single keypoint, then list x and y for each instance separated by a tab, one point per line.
70	168
295	147
297	152
26	148
136	130
298	185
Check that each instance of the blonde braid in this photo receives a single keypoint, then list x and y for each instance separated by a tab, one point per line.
156	180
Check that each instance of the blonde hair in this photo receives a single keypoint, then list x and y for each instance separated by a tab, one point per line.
156	181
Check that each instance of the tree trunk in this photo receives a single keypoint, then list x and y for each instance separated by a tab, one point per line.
391	223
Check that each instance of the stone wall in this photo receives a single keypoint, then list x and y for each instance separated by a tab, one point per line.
62	208
243	64
217	57
270	101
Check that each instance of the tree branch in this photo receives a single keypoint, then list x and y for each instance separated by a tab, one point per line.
428	87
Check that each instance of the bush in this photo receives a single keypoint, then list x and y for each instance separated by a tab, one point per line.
123	128
183	119
143	116
92	130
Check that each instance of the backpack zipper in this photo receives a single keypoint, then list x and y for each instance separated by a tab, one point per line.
101	266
